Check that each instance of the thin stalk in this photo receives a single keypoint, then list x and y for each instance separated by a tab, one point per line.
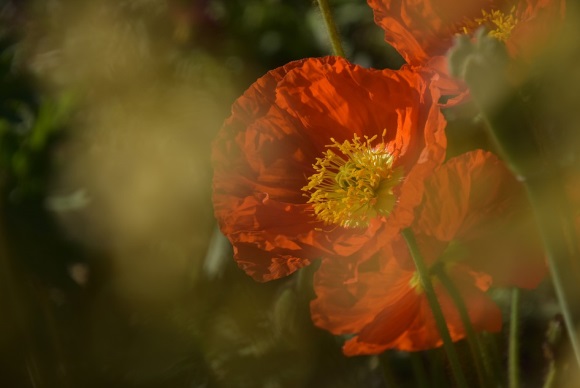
562	254
520	140
15	302
551	376
388	374
419	370
331	28
553	337
489	342
513	352
436	368
477	350
425	278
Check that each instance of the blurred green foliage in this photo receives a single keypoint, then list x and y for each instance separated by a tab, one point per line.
219	329
29	124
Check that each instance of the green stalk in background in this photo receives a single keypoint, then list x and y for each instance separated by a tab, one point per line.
425	278
509	119
331	28
558	236
388	373
478	353
513	350
419	370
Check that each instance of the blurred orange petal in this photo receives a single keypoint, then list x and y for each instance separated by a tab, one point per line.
422	31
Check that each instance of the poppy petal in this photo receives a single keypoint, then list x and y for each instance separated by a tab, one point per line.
280	127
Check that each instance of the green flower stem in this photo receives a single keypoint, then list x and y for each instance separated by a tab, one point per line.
513	349
419	370
331	28
483	65
388	374
552	339
482	368
489	343
15	299
557	232
425	278
550	376
436	368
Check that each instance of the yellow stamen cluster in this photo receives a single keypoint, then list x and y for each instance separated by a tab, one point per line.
499	23
351	188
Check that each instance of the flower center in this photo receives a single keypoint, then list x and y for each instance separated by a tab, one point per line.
500	24
353	186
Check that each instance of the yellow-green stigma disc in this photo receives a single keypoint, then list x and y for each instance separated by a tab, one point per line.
354	185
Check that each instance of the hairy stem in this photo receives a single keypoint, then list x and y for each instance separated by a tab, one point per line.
331	28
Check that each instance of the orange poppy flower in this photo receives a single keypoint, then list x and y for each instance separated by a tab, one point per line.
422	31
469	225
317	156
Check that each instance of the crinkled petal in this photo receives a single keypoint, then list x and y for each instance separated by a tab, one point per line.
473	200
409	325
375	299
343	99
264	154
278	237
466	194
422	29
348	299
